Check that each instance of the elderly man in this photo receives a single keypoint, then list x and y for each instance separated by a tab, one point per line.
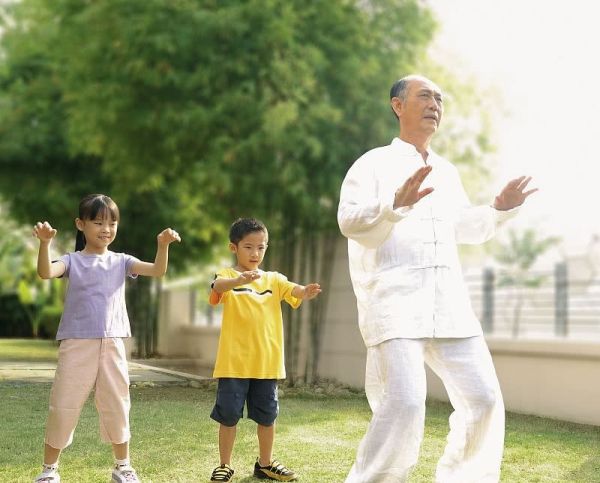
404	209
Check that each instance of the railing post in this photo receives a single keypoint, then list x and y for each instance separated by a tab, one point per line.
487	321
561	299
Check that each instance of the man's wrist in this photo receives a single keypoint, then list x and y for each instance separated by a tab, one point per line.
396	214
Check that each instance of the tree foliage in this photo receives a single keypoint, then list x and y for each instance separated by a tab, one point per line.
517	257
18	273
193	112
190	113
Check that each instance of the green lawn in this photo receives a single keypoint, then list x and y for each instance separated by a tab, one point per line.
17	350
174	440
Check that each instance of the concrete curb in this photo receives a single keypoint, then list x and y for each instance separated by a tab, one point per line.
170	372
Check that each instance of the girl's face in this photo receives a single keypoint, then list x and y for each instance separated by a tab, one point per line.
99	233
250	250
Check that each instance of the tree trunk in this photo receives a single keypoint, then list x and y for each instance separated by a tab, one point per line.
142	314
322	270
287	256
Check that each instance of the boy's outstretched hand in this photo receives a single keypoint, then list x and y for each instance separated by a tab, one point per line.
248	276
44	231
168	236
310	291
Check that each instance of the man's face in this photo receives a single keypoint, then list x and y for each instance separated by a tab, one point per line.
421	111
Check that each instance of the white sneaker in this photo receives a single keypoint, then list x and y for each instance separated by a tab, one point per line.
124	474
49	474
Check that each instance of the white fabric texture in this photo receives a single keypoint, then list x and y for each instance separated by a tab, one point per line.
404	263
396	392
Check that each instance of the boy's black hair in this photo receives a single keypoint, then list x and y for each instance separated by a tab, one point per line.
242	226
89	208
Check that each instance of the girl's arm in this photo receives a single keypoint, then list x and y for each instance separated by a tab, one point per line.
306	292
221	285
159	267
45	268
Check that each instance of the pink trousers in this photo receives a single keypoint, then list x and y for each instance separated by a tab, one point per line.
83	365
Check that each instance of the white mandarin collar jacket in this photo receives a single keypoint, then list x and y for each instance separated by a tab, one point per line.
404	263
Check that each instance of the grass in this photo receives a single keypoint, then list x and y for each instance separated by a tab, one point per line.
174	439
21	350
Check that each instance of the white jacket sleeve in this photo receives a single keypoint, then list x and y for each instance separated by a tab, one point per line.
362	216
477	224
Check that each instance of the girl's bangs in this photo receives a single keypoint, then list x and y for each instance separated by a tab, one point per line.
101	207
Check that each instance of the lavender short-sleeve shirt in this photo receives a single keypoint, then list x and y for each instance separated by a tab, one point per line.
95	300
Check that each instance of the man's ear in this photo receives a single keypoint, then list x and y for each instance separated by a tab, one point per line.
232	247
397	105
79	224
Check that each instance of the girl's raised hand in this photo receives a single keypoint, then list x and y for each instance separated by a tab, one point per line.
44	231
168	236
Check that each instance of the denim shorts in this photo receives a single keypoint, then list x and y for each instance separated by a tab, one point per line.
259	395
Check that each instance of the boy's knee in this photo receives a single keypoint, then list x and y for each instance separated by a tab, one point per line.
228	409
264	410
263	404
225	416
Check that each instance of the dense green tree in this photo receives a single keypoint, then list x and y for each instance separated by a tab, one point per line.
190	113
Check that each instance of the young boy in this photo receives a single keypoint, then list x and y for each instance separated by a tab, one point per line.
250	355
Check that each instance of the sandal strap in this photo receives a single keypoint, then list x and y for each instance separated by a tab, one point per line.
222	473
277	468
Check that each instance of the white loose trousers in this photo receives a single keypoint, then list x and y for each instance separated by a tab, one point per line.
396	390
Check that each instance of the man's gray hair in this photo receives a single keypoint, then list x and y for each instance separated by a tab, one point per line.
400	87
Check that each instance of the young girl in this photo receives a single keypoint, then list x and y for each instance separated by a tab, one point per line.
91	331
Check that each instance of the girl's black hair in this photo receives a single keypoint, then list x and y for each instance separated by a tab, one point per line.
92	206
242	226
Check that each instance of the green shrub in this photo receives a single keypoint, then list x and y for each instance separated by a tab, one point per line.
14	318
49	319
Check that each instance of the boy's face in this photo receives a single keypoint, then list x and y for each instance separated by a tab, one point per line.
250	250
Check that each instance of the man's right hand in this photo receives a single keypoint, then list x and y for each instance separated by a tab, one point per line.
408	194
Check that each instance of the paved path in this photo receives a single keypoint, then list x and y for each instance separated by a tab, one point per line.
138	373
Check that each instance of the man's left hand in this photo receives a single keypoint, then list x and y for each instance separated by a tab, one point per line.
513	194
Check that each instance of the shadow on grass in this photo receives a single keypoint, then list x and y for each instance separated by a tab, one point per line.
588	472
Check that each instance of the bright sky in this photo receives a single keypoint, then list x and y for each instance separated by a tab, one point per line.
541	56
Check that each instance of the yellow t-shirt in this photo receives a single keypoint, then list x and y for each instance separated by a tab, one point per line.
251	341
